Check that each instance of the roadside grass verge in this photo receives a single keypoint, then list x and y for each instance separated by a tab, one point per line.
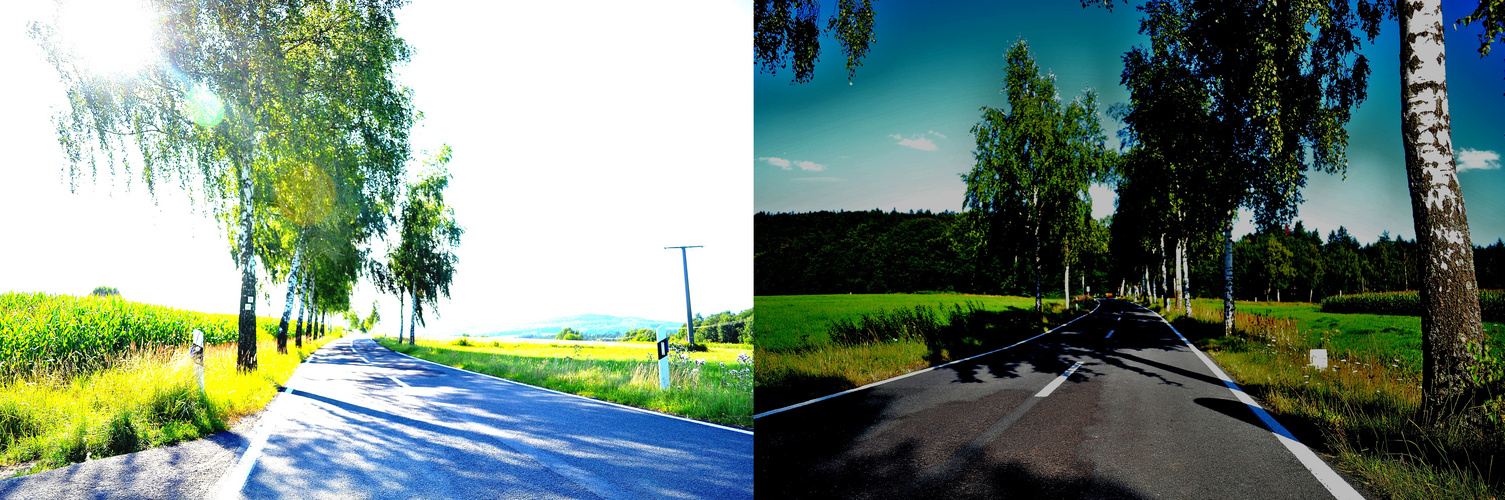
1364	408
789	321
145	399
714	386
859	345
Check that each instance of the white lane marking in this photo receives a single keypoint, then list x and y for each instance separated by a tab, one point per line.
922	370
1110	334
1057	382
358	353
399	382
594	400
1324	474
235	479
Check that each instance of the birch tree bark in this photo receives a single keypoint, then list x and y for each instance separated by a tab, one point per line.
287	305
1228	276
1452	337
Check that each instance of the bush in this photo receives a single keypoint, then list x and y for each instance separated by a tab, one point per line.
1491	304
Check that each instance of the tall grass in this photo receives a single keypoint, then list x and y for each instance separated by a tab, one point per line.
887	343
1364	407
146	398
44	333
715	386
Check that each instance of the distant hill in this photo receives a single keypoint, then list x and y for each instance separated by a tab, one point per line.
590	326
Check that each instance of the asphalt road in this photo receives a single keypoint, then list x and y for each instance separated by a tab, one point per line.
360	421
1141	415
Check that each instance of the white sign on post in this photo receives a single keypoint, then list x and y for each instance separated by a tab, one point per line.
1319	358
663	360
197	352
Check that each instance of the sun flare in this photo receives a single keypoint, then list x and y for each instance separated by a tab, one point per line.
109	36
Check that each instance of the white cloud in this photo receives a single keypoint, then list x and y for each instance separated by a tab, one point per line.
1474	159
937	134
919	142
777	162
810	166
816	179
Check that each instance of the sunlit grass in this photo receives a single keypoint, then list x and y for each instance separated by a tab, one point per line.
715	386
147	399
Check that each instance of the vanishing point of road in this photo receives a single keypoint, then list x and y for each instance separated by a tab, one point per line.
1115	404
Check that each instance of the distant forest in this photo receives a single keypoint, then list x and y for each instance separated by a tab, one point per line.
907	252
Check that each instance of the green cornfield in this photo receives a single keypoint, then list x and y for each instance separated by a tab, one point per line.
1491	304
45	333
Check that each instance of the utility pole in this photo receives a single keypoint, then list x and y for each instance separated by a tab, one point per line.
689	316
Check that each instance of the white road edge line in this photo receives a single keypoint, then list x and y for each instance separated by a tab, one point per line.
594	400
922	370
1324	474
229	485
1057	382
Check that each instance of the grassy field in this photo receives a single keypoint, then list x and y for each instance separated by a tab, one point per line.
797	359
146	398
714	386
1364	408
792	321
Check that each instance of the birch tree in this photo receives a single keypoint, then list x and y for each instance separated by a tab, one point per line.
235	85
1034	161
423	263
788	31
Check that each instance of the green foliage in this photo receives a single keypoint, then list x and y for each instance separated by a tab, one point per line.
1034	161
41	332
792	323
641	335
105	291
423	263
788	31
567	334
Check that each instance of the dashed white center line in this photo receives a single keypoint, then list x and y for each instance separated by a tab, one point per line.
1057	382
1110	334
399	382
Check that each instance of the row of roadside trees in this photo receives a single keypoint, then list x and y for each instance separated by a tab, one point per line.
284	120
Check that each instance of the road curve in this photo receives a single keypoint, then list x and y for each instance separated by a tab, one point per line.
1114	405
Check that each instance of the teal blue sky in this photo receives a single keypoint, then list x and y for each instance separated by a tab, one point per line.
897	136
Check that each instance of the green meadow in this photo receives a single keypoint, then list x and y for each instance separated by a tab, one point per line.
715	385
791	321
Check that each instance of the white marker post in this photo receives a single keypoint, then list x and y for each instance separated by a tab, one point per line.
1319	359
197	352
663	360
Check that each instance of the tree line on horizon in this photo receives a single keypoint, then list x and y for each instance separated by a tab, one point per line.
837	252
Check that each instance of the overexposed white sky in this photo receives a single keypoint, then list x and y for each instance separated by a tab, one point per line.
586	136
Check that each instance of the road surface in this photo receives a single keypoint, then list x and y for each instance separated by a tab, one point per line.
360	421
1140	415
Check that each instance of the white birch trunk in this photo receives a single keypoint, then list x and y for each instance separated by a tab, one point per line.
1228	275
1450	320
287	305
245	358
